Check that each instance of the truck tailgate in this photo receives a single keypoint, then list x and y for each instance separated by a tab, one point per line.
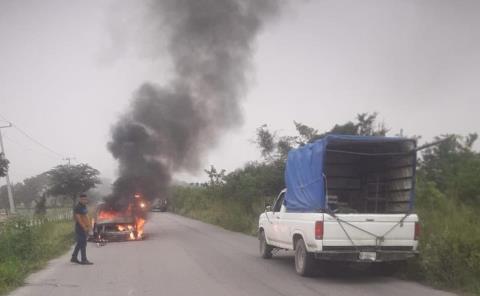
364	230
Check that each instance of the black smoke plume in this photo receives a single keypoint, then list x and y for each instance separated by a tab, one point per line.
169	128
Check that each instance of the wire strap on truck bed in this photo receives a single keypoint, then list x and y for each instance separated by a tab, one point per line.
378	238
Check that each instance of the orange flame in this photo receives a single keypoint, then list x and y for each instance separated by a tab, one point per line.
122	227
140	225
137	230
106	215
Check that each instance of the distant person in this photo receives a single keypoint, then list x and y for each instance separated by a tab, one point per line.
81	230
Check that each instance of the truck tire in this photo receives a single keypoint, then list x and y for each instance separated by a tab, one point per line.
304	260
265	249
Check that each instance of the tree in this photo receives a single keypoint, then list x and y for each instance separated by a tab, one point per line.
3	165
31	189
306	133
41	206
72	180
274	147
348	128
216	178
365	125
454	167
265	141
284	145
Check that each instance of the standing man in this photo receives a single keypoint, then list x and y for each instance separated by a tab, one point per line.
81	230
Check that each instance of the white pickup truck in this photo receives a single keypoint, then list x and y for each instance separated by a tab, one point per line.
361	210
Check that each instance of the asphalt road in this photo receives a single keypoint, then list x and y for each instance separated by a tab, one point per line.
186	257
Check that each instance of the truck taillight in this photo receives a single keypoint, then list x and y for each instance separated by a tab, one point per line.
417	231
319	230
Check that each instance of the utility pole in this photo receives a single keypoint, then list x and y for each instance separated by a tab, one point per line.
9	186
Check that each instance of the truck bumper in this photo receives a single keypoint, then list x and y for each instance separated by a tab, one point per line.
354	256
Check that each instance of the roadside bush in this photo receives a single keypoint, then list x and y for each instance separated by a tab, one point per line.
25	248
207	205
236	202
450	241
17	240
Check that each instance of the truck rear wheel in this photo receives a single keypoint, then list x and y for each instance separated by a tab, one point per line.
265	249
304	260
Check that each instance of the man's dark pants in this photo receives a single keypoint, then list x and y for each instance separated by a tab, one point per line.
81	238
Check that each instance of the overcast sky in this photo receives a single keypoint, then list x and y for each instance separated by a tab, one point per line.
68	70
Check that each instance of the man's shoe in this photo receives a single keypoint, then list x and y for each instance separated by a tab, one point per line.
86	262
74	260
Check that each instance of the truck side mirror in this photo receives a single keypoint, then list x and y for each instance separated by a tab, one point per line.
268	208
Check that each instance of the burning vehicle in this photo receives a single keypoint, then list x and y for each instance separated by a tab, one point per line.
110	224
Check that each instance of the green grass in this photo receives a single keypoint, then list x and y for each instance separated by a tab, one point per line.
204	205
24	249
449	244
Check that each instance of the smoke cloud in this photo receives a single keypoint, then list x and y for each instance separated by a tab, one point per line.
169	128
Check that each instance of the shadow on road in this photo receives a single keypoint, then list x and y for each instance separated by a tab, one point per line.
336	272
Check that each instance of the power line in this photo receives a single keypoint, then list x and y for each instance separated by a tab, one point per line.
24	133
26	148
36	141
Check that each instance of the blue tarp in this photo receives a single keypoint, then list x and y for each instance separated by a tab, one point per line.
304	171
